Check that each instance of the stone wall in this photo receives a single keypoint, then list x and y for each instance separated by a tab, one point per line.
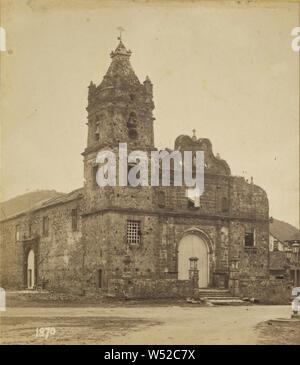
149	288
251	261
105	241
248	200
11	254
56	253
267	290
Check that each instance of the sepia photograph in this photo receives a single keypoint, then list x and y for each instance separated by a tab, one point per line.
149	187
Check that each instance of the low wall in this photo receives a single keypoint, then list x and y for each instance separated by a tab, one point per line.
266	290
150	288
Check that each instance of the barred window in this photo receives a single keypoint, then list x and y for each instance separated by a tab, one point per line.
250	238
133	232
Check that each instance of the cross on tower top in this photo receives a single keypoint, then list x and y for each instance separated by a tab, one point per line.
120	29
194	135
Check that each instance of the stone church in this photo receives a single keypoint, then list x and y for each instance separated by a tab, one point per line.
140	241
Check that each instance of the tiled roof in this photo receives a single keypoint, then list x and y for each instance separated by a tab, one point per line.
65	198
283	231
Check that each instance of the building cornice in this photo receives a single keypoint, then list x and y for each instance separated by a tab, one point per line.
172	213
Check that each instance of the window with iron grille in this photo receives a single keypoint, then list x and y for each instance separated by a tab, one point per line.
250	239
133	232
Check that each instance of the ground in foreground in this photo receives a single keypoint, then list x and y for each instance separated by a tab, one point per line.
143	324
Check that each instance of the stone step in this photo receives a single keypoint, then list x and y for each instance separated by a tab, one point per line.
213	289
219	298
231	301
210	301
214	293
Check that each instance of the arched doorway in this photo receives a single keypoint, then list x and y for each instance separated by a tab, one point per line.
193	257
31	269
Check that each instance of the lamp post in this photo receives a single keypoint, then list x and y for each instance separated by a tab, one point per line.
295	248
289	253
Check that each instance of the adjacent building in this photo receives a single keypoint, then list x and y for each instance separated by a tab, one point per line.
284	251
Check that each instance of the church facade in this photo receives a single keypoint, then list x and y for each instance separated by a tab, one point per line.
145	241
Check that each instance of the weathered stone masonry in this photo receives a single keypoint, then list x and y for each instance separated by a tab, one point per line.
55	251
100	255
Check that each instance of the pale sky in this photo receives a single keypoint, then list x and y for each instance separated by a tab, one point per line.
227	70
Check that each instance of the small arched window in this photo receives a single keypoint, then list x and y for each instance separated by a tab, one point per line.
97	128
132	125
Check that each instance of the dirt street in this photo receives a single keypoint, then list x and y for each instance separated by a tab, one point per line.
140	325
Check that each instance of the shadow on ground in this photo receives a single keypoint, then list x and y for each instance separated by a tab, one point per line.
279	332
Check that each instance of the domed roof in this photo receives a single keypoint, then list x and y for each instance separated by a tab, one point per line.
120	70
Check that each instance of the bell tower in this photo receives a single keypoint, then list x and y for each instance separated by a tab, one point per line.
120	107
119	111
